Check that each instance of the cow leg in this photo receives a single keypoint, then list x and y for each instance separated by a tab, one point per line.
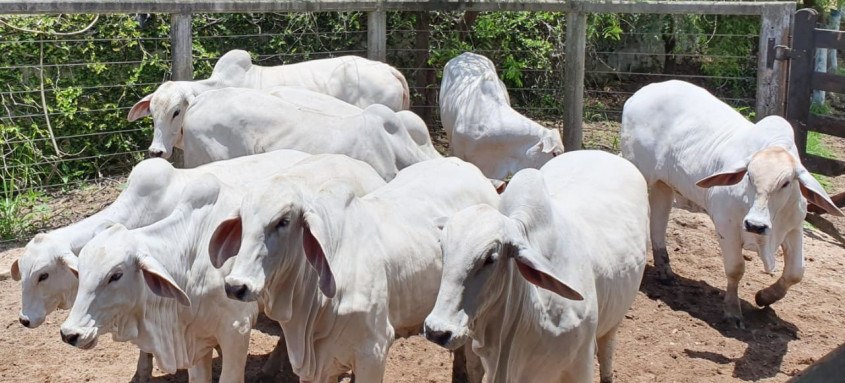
581	369
370	368
731	245
235	351
278	361
459	365
474	367
793	270
201	372
660	197
605	346
144	371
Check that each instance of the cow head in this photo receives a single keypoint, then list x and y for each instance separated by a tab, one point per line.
47	278
549	146
115	273
167	105
776	180
480	248
264	234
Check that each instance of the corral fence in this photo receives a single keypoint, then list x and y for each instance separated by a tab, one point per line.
803	79
581	80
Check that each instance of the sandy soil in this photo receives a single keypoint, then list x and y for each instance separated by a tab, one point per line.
672	333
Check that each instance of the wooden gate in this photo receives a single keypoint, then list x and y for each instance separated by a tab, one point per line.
803	79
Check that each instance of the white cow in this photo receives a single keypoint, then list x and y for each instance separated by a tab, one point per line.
578	230
182	314
344	275
748	177
153	191
170	257
353	79
233	122
481	125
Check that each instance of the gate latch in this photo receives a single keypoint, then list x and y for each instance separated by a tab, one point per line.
777	52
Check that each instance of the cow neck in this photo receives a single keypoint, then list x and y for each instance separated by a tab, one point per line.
315	314
161	331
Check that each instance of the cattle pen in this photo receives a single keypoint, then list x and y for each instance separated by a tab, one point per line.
673	334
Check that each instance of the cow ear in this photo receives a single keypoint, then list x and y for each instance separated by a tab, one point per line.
730	176
160	281
813	191
140	109
499	185
226	241
15	271
314	241
548	143
70	261
537	270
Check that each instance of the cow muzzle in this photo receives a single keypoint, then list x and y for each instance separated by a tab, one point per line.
756	227
240	290
80	339
444	337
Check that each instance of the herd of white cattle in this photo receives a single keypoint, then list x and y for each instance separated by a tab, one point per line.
313	195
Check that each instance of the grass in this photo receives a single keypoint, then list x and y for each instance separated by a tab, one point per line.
17	213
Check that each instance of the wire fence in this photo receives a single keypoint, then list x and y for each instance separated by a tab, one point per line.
65	98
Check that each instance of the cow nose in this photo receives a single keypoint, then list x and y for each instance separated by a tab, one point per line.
69	339
756	228
156	153
24	321
236	291
439	337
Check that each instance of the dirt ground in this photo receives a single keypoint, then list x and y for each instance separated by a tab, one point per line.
671	334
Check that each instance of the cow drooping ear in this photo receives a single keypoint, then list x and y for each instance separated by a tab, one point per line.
537	270
140	109
549	144
315	238
813	191
729	176
226	241
15	271
160	282
70	261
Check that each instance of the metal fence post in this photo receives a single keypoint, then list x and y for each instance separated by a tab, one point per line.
771	74
573	82
377	35
180	39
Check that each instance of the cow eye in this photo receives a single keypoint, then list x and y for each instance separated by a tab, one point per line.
489	260
116	276
43	277
176	113
785	184
283	223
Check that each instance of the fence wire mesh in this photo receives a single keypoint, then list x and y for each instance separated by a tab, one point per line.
65	98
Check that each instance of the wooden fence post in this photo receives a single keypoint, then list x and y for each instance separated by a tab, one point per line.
771	74
573	82
183	63
801	69
377	35
181	42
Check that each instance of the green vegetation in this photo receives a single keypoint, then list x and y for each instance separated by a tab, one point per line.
65	98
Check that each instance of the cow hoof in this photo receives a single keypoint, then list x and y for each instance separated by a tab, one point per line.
761	300
735	321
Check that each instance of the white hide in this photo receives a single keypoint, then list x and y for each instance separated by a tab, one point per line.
152	192
541	284
155	287
233	122
481	125
353	79
349	273
685	140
